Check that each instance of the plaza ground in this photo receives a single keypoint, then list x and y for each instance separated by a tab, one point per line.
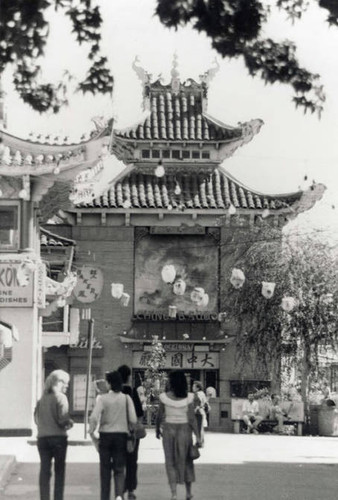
231	467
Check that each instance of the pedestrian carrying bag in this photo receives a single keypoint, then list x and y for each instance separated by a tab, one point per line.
139	430
194	452
131	439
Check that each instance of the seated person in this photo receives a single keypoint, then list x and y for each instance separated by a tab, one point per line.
251	416
277	413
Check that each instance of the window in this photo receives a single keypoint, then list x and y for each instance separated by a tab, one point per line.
205	155
185	154
176	154
145	153
241	388
156	153
166	153
196	155
9	226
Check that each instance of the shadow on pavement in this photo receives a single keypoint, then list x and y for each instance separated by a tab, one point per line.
246	481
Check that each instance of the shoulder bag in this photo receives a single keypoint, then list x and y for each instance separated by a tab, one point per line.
131	439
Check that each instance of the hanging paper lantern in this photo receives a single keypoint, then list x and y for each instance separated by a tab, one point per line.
231	209
237	278
197	295
265	213
159	170
125	299
168	273
172	311
204	301
268	289
177	190
288	304
179	287
117	290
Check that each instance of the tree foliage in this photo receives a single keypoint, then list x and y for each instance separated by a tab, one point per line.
24	31
234	26
236	30
304	268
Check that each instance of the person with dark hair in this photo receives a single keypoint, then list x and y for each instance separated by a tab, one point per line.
112	415
52	418
175	424
131	468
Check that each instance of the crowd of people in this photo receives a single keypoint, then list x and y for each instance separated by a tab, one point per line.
114	426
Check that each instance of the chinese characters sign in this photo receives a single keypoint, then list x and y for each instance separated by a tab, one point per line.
89	284
12	294
176	359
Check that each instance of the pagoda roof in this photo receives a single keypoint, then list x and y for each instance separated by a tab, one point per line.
181	117
218	190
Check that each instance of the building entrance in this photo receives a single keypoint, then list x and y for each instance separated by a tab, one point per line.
206	377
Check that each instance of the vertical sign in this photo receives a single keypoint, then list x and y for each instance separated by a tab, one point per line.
41	286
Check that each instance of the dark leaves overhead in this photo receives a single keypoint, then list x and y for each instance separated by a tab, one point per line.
24	31
234	27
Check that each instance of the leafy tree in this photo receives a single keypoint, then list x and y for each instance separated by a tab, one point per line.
304	268
154	376
24	31
234	26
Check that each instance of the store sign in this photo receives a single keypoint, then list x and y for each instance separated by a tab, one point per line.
180	316
178	359
89	284
41	286
12	294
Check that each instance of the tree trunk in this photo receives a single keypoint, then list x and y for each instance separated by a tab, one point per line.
305	375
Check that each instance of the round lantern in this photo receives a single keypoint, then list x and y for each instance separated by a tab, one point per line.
237	278
268	289
288	304
168	273
117	290
179	287
197	295
204	301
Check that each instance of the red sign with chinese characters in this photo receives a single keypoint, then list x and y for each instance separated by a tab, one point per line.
177	359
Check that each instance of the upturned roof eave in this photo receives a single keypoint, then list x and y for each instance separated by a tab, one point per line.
293	194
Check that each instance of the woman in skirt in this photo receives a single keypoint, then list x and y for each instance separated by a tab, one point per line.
175	424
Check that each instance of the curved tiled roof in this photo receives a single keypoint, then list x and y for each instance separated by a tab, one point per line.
217	191
180	118
48	239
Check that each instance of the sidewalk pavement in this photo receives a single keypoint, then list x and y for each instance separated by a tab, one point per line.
220	448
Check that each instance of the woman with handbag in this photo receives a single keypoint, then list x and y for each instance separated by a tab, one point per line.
175	423
131	468
114	414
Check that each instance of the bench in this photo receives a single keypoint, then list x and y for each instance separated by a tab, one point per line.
293	409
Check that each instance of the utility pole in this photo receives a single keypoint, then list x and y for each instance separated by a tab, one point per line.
86	314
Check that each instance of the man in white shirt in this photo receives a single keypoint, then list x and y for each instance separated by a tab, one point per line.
251	416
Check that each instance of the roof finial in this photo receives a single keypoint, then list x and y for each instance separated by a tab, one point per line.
141	73
210	73
175	76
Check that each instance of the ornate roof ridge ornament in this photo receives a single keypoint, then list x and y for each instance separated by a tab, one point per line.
205	79
175	75
145	78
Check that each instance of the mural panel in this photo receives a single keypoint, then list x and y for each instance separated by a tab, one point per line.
176	274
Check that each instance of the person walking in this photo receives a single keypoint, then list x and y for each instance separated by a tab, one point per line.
112	415
51	415
201	407
131	466
175	423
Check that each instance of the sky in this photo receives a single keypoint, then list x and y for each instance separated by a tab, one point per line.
290	145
